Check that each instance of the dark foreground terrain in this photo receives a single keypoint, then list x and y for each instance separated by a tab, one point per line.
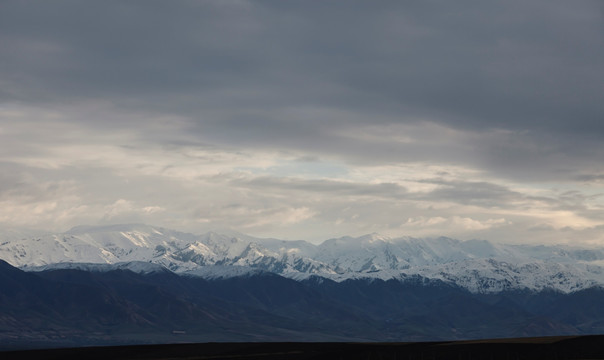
75	308
568	347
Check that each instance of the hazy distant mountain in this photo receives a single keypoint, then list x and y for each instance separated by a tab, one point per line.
476	265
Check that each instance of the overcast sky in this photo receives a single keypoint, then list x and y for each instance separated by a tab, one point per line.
306	119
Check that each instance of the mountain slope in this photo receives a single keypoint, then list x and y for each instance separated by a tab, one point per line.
477	265
121	306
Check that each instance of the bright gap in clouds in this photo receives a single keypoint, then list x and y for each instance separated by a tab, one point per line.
95	175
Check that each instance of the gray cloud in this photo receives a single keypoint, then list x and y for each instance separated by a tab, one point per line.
159	93
333	188
510	65
471	192
272	74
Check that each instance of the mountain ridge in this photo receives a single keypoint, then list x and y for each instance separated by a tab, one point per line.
81	307
477	265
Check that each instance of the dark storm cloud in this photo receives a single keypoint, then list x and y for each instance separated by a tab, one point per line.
298	74
507	64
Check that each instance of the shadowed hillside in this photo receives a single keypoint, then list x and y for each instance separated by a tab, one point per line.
72	308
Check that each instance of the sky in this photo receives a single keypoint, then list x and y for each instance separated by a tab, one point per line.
306	119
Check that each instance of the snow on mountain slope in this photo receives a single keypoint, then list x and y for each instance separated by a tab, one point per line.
110	244
491	276
565	254
175	250
477	265
366	253
139	267
375	252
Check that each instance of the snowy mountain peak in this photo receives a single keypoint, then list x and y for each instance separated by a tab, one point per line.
374	237
477	265
356	241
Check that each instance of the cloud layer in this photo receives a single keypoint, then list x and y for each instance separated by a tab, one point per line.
306	120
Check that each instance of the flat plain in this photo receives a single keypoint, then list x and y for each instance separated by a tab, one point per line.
567	347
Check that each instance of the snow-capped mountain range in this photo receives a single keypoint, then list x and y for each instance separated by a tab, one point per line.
477	265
